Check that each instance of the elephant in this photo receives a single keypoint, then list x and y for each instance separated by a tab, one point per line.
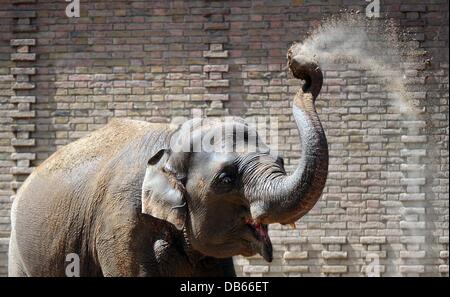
127	202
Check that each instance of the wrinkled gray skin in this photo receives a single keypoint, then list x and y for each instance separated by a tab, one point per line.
129	204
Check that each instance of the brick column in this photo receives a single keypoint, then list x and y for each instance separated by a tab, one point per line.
333	254
443	255
22	69
216	84
296	263
413	224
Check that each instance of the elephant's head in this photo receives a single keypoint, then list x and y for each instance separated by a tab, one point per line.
225	198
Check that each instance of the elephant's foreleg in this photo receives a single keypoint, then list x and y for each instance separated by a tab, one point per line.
119	256
139	248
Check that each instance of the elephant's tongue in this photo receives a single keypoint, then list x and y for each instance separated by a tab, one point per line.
266	246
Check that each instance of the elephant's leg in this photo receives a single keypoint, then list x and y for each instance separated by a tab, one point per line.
15	265
117	259
138	247
214	267
138	257
119	264
119	255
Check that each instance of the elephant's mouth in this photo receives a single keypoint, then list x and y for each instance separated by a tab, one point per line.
261	233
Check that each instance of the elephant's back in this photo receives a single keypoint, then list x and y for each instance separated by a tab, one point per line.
80	163
103	143
56	205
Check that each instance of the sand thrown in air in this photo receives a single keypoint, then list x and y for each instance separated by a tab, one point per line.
376	46
383	55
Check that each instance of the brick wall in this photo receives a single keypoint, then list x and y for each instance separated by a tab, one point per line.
386	201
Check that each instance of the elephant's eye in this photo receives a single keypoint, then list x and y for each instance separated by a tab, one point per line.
225	178
225	182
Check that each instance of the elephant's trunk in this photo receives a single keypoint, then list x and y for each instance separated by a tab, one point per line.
285	198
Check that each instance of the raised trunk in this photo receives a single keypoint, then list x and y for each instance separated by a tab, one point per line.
285	199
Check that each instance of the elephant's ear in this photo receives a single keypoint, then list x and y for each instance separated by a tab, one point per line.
163	194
